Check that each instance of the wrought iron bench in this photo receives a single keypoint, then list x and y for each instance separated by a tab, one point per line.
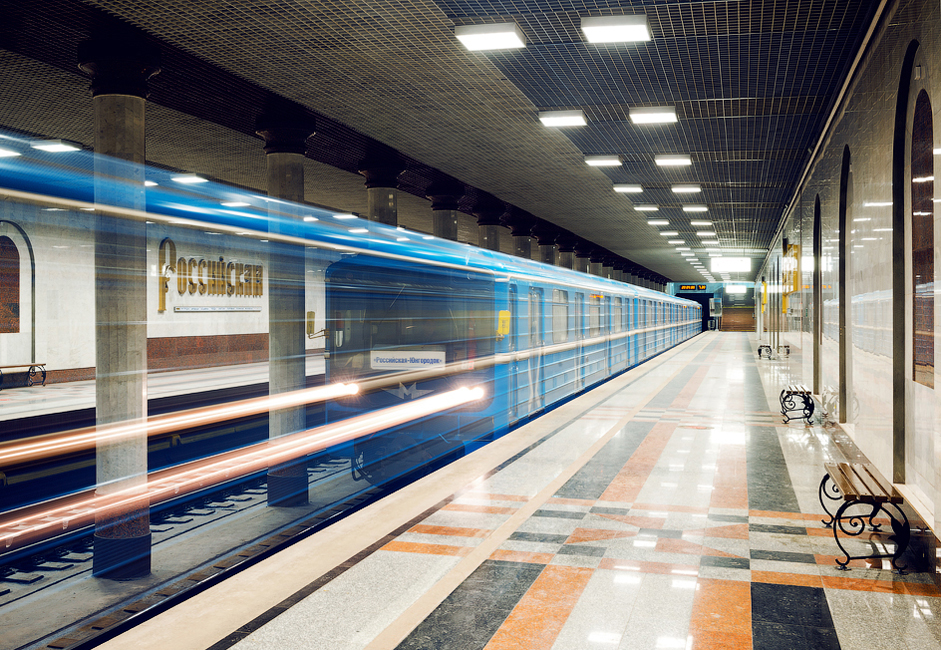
35	369
797	397
858	484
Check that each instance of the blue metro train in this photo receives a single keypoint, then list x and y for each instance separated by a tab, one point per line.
414	313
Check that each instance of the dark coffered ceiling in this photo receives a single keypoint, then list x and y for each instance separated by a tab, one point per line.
752	82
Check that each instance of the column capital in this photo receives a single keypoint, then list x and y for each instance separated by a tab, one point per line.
285	132
567	242
489	210
598	255
583	248
545	233
520	223
444	194
119	66
381	168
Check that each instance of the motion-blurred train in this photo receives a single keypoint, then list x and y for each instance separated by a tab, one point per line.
404	315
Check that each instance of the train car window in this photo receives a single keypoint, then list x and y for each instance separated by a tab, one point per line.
579	315
617	316
514	324
560	316
594	315
536	317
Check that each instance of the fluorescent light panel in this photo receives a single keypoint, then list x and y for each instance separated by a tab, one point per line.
653	115
700	223
616	29
686	189
603	161
646	208
189	179
497	36
562	118
695	208
673	160
56	146
628	189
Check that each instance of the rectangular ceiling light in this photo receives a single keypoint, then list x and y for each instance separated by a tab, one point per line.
687	254
669	233
653	115
498	36
673	160
682	248
616	29
700	223
695	208
646	208
731	264
56	146
344	216
189	179
603	161
628	189
658	222
705	234
562	118
677	241
686	189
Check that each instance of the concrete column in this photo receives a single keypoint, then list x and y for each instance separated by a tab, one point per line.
444	196
607	268
285	135
566	244
583	257
120	67
596	263
488	211
521	226
381	170
546	234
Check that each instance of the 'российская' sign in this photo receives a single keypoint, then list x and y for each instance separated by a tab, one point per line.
207	277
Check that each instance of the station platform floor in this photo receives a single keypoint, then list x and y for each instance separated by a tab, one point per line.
668	508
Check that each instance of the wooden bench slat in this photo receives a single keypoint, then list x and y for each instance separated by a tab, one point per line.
885	489
839	479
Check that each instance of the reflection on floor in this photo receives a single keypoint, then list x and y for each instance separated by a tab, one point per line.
669	508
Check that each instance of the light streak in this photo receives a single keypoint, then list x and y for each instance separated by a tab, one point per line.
81	439
32	523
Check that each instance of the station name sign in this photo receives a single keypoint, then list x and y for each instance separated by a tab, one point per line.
692	287
209	277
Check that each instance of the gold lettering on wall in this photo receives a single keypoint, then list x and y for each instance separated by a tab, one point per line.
212	277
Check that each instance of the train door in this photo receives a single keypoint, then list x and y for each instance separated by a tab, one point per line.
511	349
579	336
536	343
609	341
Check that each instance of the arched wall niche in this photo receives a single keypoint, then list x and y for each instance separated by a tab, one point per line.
9	286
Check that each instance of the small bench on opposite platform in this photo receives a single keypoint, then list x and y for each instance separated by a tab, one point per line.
858	484
35	369
789	403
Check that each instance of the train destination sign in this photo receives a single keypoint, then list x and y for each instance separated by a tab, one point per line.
692	287
405	359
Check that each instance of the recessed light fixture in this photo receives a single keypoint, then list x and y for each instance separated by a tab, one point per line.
616	29
676	241
705	234
876	204
628	189
8	153
646	208
653	115
344	216
603	161
189	179
669	233
687	254
658	222
695	208
700	223
235	204
562	118
686	189
682	248
673	160
56	146
494	36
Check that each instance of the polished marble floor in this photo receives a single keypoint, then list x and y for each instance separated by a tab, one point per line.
669	508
